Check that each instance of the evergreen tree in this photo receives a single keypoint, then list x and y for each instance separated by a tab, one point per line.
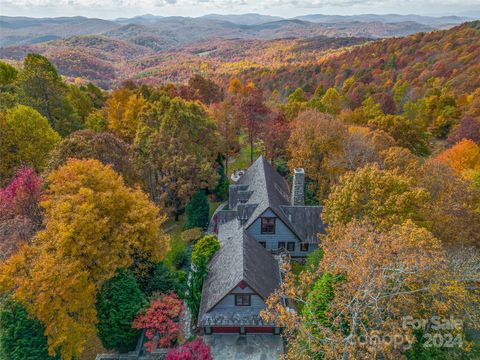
163	280
117	304
21	337
198	211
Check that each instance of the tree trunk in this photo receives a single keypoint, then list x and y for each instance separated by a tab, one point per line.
251	150
226	166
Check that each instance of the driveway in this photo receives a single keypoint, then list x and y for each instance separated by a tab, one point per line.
245	347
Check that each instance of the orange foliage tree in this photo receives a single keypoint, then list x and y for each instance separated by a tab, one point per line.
463	158
94	225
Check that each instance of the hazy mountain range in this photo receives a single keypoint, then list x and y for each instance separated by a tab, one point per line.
166	31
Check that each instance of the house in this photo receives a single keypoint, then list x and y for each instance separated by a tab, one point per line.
241	276
276	217
263	217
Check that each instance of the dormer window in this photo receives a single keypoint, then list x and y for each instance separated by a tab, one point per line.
243	299
268	225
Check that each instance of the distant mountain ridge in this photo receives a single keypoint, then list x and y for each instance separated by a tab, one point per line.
159	29
244	19
387	18
25	30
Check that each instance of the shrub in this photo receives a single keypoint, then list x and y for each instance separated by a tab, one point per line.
198	211
117	304
204	249
192	234
194	350
21	337
161	319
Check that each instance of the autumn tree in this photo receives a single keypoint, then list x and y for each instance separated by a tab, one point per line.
205	90
296	103
452	210
315	143
252	113
21	337
463	158
224	115
366	283
332	101
407	133
161	322
469	128
357	149
43	89
20	214
437	112
381	197
118	302
123	109
94	225
363	114
8	74
400	159
96	121
26	138
275	134
176	146
105	147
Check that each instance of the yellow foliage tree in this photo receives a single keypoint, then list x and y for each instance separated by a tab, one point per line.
383	197
26	138
94	225
123	108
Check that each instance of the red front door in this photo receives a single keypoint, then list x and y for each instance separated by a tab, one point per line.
259	329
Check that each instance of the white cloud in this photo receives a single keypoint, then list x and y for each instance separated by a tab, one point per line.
114	8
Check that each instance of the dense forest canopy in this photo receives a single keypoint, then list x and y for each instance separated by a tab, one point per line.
104	190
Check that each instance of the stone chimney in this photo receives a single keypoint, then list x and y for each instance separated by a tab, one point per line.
298	187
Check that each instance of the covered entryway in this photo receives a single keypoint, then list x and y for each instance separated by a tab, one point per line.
245	347
225	330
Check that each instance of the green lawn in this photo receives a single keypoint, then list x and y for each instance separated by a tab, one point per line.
175	229
242	160
214	206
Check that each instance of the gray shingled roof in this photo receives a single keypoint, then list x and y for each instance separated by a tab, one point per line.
270	190
240	258
306	221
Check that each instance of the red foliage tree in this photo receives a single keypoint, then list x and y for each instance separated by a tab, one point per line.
20	214
194	350
161	321
252	113
275	133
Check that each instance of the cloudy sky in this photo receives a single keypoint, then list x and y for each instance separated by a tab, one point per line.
109	9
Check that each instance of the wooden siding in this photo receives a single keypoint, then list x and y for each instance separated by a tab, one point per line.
228	302
282	233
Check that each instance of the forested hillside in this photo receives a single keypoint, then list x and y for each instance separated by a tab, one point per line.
449	56
105	195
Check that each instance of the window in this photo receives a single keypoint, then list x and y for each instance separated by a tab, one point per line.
268	225
303	247
263	243
281	244
291	246
242	299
